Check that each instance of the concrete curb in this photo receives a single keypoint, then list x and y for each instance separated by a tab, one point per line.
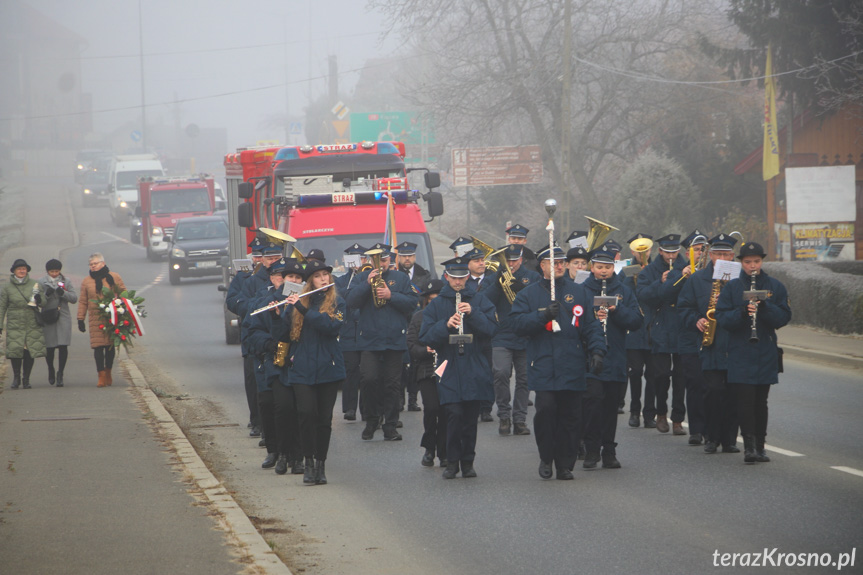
826	357
233	519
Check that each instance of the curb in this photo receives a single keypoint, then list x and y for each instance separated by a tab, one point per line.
232	518
833	359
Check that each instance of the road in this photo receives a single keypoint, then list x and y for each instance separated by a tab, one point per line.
666	511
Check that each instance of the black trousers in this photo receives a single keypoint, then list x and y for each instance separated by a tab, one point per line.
461	430
485	405
27	361
315	413
434	418
380	380
409	384
663	376
752	409
104	356
251	386
599	413
351	386
557	426
638	364
720	408
694	382
278	411
63	356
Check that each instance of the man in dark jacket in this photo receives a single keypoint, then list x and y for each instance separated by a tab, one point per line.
638	365
508	349
382	340
561	336
466	381
406	259
700	295
480	279
516	234
756	361
605	389
658	293
348	335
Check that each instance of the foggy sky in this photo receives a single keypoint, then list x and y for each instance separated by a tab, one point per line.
194	36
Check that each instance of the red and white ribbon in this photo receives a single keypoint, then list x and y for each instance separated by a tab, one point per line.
577	312
128	306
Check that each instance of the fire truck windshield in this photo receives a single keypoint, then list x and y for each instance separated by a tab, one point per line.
334	247
180	201
129	180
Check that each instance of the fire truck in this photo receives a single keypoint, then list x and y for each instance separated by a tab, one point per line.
163	201
326	197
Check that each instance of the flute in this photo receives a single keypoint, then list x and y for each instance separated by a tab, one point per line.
275	304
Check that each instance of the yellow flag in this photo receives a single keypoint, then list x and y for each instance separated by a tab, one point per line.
770	161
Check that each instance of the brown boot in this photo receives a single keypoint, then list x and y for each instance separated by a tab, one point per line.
108	380
662	424
101	379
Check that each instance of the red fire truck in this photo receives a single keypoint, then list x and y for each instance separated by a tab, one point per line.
163	201
326	197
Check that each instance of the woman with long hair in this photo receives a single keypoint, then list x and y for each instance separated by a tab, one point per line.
317	368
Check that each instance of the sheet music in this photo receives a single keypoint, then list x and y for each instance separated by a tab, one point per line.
620	264
242	265
581	276
352	261
289	288
726	270
578	243
463	249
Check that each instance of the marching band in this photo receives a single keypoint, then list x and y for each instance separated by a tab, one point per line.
577	326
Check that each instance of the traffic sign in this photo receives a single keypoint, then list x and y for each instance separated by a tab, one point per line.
497	166
136	135
404	127
295	128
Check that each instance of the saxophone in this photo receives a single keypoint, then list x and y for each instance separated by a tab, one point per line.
281	353
710	329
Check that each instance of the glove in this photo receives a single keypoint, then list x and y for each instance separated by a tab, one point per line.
38	299
60	292
49	291
271	346
596	362
301	308
81	326
552	310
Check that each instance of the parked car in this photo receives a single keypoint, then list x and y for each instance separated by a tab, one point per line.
198	248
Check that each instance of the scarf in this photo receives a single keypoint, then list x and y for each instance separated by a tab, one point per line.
20	281
99	276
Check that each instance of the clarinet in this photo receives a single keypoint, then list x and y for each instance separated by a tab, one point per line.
604	308
753	335
460	323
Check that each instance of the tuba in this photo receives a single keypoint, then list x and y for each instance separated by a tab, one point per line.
598	233
642	247
379	280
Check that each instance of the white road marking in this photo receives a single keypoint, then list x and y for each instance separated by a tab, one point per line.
773	448
850	470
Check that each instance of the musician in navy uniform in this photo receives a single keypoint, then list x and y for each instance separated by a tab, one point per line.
657	292
720	403
754	364
577	258
516	234
508	349
466	381
557	361
382	339
479	279
406	259
348	335
605	389
638	364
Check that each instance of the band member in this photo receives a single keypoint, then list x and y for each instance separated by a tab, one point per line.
423	357
59	293
508	349
460	246
466	381
557	359
517	234
754	358
605	389
698	296
479	280
348	335
317	369
407	263
385	300
316	254
576	259
638	362
689	343
656	291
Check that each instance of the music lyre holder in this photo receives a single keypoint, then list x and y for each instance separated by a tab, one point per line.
460	338
604	300
756	295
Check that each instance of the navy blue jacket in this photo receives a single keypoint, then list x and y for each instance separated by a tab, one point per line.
661	299
262	329
317	357
421	276
232	298
636	338
350	327
753	363
505	336
557	361
383	328
626	316
250	289
692	306
466	377
421	359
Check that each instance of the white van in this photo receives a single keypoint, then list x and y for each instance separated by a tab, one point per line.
123	183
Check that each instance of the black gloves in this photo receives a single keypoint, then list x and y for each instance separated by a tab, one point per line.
82	326
60	291
38	299
271	346
300	308
552	310
596	362
49	291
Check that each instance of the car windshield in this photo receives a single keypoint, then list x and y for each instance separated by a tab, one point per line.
180	201
334	246
204	230
129	180
96	178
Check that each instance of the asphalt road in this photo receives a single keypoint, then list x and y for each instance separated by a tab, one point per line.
666	511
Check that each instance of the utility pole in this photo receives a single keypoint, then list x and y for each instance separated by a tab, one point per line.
566	114
143	100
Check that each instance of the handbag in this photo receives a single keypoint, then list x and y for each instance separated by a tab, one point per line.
49	315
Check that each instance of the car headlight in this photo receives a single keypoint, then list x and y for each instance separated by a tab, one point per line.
80	167
157	231
87	190
178	253
122	204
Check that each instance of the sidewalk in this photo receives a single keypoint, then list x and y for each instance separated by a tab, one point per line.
101	480
809	343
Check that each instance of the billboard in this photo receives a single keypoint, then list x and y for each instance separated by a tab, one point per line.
822	194
822	242
497	166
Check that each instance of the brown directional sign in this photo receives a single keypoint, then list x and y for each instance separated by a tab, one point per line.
497	166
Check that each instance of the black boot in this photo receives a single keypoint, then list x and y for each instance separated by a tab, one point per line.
590	460
269	461
59	379
297	467
760	455
371	427
451	470
467	469
282	464
428	458
25	381
412	403
320	473
609	461
51	375
16	373
309	472
749	449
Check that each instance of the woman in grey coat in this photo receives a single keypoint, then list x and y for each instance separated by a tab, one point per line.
59	293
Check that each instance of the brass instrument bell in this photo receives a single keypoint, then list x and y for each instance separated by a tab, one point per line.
598	233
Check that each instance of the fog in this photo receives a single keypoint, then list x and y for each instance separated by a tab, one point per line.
234	65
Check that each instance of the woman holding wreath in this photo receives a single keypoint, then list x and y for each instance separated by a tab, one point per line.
88	304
